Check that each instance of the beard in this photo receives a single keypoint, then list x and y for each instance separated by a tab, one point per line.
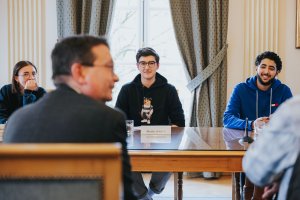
265	83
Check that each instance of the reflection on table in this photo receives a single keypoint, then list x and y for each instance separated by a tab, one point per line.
189	149
189	138
233	139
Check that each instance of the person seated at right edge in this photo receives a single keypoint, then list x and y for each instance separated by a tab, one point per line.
273	161
256	99
150	100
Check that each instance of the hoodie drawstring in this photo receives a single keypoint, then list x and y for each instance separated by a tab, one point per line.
270	102
256	104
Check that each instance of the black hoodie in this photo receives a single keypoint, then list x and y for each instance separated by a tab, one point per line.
156	105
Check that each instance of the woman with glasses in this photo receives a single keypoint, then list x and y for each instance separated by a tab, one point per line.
23	90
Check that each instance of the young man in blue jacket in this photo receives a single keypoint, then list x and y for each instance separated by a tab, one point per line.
259	96
256	99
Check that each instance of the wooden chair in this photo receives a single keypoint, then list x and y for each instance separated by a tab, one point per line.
2	126
60	171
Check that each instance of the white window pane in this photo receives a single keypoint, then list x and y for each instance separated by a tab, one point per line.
162	38
164	4
161	32
126	36
124	31
124	41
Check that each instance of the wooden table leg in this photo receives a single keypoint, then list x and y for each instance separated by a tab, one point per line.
180	185
175	185
233	186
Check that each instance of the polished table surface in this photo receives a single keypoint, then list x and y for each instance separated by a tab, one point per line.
188	149
218	148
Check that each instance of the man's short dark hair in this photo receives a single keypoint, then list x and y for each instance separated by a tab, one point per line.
147	51
74	49
270	55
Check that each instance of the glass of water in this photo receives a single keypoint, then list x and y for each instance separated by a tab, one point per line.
258	128
129	126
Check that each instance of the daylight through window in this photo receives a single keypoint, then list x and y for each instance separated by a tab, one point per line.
142	23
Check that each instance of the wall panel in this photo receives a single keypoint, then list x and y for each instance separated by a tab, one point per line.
26	34
260	31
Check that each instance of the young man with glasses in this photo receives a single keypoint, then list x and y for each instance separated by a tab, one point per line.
22	91
150	100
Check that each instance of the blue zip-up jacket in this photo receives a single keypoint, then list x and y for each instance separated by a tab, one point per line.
249	101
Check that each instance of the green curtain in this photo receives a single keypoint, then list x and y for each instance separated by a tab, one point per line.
201	31
83	17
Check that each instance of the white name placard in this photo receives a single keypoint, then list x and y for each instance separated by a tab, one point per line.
155	134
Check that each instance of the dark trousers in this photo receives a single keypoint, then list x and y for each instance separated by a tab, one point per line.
157	183
246	190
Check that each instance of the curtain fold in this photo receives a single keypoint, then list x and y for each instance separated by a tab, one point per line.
201	32
83	17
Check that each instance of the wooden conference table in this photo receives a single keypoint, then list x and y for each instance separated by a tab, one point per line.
189	149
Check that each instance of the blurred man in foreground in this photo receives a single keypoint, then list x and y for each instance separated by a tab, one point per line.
83	72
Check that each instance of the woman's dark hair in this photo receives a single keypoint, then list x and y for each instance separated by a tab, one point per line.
270	55
147	51
19	65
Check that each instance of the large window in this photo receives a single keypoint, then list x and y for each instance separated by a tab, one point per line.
141	23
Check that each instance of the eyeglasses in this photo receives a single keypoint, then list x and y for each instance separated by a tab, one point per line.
27	75
111	67
143	64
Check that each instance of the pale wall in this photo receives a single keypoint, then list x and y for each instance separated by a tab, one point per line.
4	72
286	48
235	40
42	53
290	54
51	39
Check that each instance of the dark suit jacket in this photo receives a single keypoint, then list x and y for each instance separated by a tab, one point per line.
64	116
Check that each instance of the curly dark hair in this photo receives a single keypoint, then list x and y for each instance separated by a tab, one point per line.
146	51
270	55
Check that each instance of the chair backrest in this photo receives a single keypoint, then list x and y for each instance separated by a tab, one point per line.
60	171
2	126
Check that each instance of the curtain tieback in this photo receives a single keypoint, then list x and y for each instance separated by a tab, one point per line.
208	71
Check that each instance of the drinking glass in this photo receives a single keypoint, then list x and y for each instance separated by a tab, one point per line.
258	128
129	127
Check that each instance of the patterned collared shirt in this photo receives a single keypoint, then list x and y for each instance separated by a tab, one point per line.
272	156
